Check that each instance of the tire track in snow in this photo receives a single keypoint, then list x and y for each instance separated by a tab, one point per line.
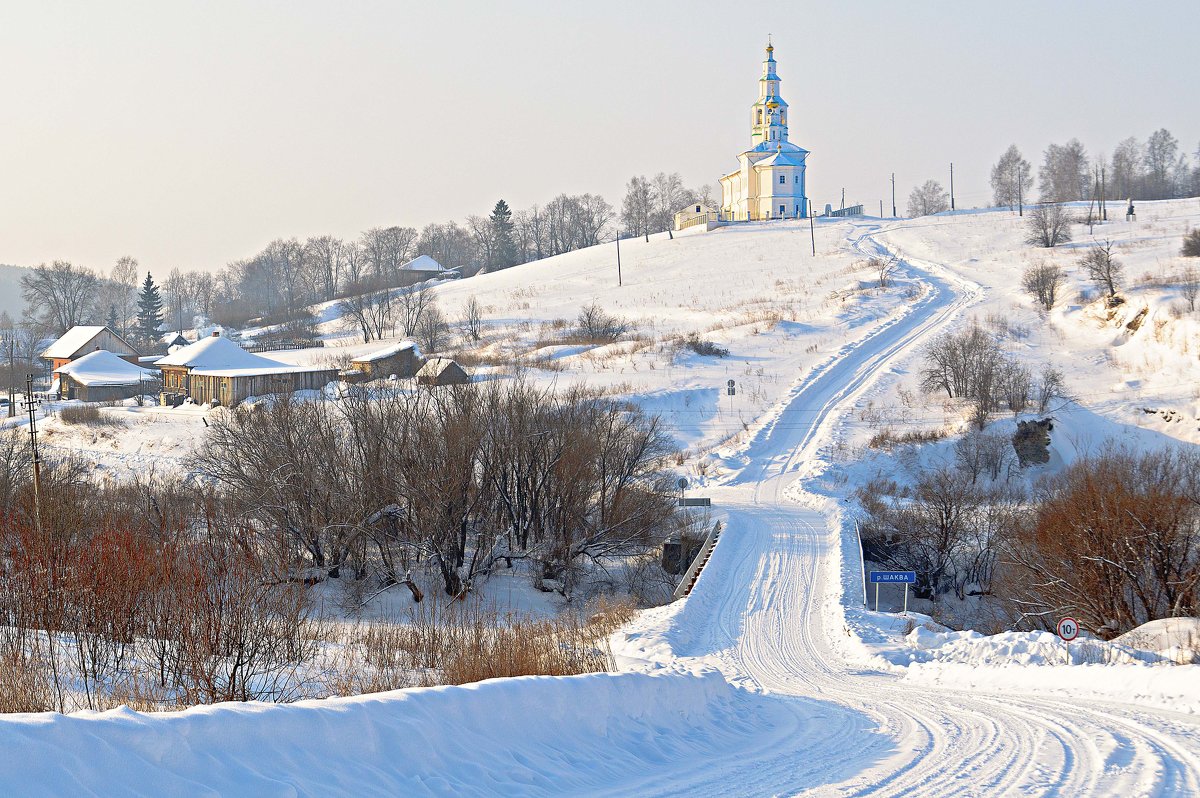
770	631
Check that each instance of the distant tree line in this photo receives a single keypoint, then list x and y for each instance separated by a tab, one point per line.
1155	169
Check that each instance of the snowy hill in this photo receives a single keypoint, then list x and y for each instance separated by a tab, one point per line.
772	676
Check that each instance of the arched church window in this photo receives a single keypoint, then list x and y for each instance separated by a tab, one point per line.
797	179
760	116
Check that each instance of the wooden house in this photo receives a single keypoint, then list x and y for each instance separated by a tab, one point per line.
79	341
217	371
101	376
402	359
442	371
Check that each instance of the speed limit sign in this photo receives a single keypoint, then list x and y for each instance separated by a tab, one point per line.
1068	629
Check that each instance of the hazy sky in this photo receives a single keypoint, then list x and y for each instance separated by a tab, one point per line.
192	133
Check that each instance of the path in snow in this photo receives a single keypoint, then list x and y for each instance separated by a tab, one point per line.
769	596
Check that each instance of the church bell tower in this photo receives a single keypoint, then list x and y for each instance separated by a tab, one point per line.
768	122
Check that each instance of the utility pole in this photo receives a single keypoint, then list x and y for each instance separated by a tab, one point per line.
812	232
1103	206
618	259
31	405
881	209
893	195
843	198
1020	206
952	185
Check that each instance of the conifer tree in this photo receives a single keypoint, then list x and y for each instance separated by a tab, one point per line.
149	314
504	249
111	321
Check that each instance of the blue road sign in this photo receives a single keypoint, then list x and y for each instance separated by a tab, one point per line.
898	577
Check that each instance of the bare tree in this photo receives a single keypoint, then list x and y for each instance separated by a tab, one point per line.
1048	225
1066	174
928	198
60	295
432	332
1011	178
472	318
637	207
884	268
1102	267
1043	281
1189	286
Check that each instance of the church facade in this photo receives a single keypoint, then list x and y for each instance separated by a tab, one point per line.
769	181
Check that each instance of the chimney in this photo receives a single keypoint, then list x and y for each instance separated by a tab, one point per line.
216	333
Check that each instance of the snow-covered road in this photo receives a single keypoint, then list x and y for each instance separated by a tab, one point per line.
767	609
743	689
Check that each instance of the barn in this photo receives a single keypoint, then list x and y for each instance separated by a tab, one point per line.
402	359
81	340
215	370
103	377
442	371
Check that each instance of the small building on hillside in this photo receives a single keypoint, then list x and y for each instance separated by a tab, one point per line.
695	214
103	377
215	370
442	371
422	268
80	340
402	359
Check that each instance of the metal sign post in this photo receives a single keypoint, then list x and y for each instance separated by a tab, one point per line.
905	578
731	389
1068	630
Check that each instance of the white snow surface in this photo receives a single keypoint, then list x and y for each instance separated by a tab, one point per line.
771	678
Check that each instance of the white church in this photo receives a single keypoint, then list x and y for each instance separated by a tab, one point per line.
769	180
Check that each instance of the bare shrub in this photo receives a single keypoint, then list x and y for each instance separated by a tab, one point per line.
1043	281
707	348
883	268
87	415
1048	225
1114	541
889	439
596	325
1191	244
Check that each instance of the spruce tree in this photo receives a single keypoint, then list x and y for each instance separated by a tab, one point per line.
504	249
149	314
111	321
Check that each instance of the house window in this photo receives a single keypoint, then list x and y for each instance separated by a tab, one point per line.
782	179
781	210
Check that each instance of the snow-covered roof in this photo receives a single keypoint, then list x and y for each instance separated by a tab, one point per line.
72	341
383	354
781	158
104	368
422	263
435	366
219	357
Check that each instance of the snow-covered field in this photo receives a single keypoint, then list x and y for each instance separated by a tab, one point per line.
771	677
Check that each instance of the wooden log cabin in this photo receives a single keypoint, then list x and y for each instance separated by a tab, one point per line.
217	371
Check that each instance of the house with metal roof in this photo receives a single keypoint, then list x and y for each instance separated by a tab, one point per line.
81	340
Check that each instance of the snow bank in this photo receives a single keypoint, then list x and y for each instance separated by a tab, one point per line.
526	736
